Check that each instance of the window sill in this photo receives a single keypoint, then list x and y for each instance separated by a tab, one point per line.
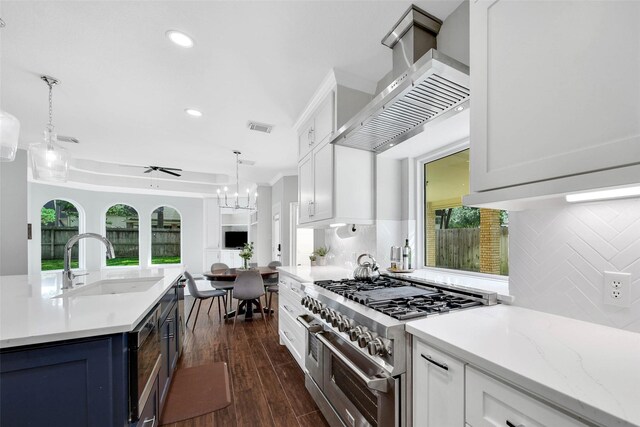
484	282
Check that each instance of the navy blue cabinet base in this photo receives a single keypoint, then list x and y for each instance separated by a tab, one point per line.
85	382
73	383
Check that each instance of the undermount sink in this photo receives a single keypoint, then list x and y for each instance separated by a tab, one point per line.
112	286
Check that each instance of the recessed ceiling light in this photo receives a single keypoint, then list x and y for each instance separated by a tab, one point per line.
181	39
192	112
460	108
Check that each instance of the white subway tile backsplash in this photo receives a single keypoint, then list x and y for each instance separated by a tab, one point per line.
557	258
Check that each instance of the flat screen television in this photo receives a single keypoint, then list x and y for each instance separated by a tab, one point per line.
235	239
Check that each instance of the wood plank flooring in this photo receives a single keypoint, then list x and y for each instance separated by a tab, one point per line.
267	385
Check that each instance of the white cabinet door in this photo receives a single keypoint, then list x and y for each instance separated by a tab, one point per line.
323	182
305	188
305	139
555	89
491	403
438	388
324	120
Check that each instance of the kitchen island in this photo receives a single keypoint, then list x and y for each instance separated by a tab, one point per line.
66	355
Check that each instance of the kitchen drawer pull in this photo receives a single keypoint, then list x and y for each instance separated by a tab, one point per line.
429	359
168	336
510	424
286	307
286	334
152	421
295	290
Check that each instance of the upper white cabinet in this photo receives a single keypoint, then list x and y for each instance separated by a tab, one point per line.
336	186
555	92
319	127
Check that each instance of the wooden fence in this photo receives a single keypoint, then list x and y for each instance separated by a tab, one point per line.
459	248
165	242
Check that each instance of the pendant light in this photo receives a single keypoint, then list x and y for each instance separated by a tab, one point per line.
49	161
9	131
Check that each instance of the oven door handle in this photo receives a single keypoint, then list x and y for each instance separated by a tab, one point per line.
308	326
379	384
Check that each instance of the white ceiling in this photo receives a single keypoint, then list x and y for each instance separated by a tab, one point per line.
124	86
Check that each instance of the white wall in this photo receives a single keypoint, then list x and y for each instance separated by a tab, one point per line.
453	38
263	228
13	215
283	193
557	258
92	206
344	252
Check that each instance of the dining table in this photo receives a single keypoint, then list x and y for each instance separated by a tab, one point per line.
229	275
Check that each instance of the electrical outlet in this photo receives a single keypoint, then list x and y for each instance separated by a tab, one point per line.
617	288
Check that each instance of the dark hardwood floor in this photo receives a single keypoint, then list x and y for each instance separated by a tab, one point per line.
267	385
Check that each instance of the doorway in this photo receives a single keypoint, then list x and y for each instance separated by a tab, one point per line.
276	249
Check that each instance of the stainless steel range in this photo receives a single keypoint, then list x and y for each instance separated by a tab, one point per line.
356	347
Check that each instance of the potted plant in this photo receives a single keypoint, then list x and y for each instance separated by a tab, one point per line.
312	258
246	254
321	254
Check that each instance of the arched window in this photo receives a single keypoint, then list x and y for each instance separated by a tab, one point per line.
122	231
59	221
165	236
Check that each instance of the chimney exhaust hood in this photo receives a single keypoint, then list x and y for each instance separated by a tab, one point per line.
429	86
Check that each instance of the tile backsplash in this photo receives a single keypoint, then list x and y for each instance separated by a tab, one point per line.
344	252
557	258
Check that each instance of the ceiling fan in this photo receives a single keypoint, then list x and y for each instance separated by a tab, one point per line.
163	169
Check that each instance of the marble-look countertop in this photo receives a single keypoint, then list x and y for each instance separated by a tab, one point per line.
589	369
311	274
29	313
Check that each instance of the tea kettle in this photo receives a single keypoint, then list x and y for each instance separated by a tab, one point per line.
366	270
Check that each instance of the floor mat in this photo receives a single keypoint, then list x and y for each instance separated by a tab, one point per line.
197	391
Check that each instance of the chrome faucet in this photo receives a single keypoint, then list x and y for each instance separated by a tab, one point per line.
67	274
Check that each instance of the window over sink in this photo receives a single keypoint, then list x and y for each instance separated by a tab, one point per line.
59	221
455	236
165	236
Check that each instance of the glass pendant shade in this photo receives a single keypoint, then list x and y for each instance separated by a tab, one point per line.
9	131
49	161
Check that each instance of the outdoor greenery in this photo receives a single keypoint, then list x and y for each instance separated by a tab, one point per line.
54	210
58	264
122	210
48	216
464	217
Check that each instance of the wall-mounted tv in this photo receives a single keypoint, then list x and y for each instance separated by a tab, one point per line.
234	239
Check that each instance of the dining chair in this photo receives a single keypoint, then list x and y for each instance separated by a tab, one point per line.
221	284
271	285
200	295
248	287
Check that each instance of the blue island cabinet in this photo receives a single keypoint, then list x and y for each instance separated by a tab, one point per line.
71	383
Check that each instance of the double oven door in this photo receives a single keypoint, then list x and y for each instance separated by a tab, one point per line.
359	391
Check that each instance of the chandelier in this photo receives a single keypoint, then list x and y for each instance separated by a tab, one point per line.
223	201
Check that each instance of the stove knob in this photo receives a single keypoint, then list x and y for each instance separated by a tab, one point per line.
304	301
376	347
317	306
345	324
354	333
364	339
324	313
335	320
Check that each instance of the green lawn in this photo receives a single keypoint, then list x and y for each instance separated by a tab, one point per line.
57	264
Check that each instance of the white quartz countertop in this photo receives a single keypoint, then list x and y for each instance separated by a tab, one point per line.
311	274
589	369
30	315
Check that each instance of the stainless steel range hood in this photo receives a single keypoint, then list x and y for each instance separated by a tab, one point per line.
433	88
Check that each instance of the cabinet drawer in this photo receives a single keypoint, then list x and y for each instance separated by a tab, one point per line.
489	403
292	334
